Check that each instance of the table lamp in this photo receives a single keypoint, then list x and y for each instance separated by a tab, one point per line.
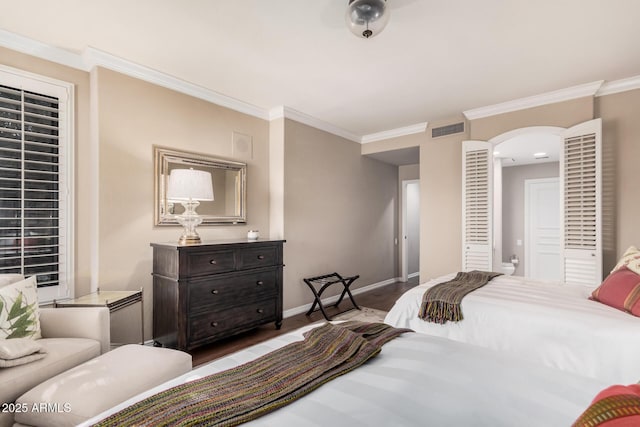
189	186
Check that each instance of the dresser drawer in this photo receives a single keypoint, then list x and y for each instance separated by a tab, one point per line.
228	290
225	322
260	256
211	262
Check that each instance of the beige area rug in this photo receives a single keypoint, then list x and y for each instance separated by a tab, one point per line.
365	315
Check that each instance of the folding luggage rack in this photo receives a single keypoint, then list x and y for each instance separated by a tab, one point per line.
323	282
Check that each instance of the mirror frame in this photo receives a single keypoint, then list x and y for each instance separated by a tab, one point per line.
163	156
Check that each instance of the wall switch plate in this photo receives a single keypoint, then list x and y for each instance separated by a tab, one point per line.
519	242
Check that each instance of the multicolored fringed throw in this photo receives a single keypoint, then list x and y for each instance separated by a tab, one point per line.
442	303
276	379
617	403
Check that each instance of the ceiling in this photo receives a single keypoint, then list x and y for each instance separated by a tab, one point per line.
529	148
435	59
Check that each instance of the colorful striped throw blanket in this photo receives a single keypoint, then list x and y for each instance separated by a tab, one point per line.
442	302
267	383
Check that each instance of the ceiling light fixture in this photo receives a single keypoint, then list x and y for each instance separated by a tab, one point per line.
366	18
538	155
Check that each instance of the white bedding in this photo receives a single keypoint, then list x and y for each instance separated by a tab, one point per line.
552	323
419	380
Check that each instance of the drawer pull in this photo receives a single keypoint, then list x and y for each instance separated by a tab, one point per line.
214	324
260	310
214	291
259	283
213	262
261	257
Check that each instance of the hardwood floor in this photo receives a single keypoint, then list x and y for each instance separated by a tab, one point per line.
381	298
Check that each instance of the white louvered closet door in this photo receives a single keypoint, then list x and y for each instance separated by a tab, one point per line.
580	169
477	205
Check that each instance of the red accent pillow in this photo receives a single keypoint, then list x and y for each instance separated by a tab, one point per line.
615	406
621	290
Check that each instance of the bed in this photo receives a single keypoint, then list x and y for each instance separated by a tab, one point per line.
421	380
552	323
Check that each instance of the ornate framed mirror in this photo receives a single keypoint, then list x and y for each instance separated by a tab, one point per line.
229	187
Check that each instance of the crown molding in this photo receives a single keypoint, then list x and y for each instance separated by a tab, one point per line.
92	57
41	50
574	92
618	86
394	133
95	57
290	113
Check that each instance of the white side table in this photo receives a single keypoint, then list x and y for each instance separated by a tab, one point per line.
113	300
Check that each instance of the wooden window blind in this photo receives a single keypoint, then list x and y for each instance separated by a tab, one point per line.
31	201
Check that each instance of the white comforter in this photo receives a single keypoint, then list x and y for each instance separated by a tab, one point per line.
552	323
419	380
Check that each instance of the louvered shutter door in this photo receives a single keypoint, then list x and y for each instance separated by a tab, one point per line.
477	204
581	171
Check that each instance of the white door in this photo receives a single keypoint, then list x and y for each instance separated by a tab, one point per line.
410	256
580	172
542	229
477	205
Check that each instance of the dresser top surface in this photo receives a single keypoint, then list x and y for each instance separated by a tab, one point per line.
210	243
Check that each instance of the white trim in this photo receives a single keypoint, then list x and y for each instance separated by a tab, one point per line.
94	57
574	92
300	117
65	93
41	50
394	133
330	300
618	86
94	183
552	130
412	275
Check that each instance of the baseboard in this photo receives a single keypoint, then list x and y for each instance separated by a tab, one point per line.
412	275
329	300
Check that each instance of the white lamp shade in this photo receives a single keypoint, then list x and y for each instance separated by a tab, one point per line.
189	184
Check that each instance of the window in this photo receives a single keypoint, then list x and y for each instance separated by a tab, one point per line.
35	186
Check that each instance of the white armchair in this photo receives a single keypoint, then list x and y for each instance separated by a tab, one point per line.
70	336
77	322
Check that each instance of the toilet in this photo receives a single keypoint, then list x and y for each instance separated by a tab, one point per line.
507	268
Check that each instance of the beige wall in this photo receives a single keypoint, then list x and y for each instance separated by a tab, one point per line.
133	116
440	204
407	141
621	156
561	114
340	212
82	259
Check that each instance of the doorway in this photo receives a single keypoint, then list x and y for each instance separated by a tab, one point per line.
542	229
410	251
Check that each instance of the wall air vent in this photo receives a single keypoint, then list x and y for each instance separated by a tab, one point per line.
447	130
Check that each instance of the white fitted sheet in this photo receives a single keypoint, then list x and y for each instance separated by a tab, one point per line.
550	323
418	380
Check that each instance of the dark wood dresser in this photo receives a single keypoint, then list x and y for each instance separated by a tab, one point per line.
206	292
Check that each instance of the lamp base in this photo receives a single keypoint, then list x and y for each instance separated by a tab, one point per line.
189	240
189	220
